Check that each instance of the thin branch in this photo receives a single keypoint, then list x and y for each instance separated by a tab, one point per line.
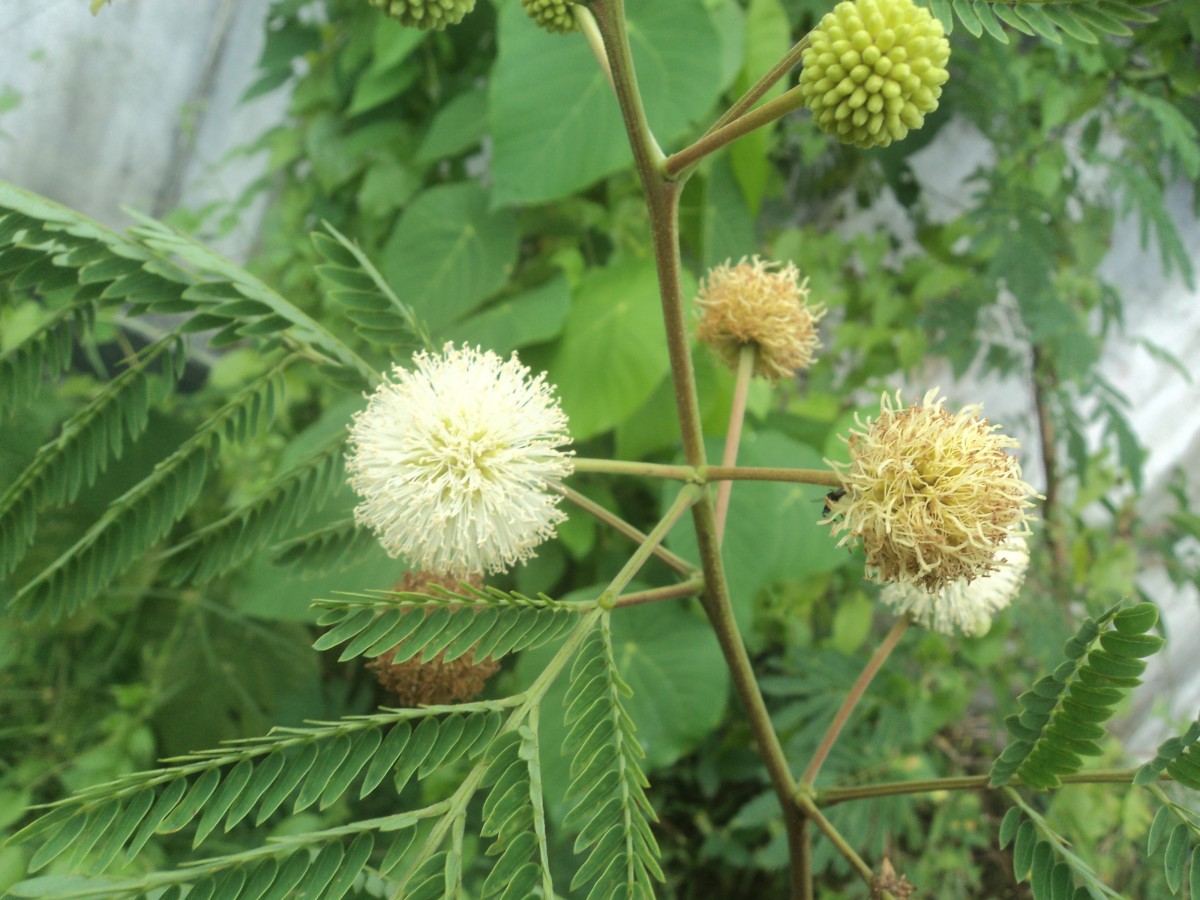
635	534
686	498
643	469
679	163
823	477
833	796
759	89
882	652
690	588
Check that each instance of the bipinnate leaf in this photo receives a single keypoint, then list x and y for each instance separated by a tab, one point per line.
307	765
1083	20
85	444
609	809
143	514
332	548
43	355
1062	716
514	815
226	543
1180	756
152	269
488	621
366	298
1043	858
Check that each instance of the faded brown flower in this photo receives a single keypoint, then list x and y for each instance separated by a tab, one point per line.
438	681
759	304
931	495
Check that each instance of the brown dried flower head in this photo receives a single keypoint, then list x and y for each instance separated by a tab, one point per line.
931	495
759	304
438	681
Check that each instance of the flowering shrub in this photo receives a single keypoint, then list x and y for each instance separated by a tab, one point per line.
560	726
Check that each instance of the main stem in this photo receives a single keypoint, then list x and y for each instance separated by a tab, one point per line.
662	202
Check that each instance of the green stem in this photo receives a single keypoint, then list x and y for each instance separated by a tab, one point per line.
615	522
704	474
587	27
733	434
683	502
760	87
678	163
882	652
834	796
689	588
589	465
805	802
662	203
823	477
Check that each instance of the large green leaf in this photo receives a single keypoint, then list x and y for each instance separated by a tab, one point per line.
529	318
449	253
610	358
554	119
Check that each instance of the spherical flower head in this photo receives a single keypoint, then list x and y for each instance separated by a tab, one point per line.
874	69
759	304
931	495
456	461
426	14
553	15
963	606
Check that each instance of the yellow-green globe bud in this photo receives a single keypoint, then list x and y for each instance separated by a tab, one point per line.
553	15
426	14
874	69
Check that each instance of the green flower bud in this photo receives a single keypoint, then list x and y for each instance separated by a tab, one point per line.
426	14
552	15
874	69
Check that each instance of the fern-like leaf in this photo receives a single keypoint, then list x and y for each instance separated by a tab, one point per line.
229	295
156	269
333	548
41	356
220	788
1178	756
1062	717
1176	830
364	295
85	445
1043	857
514	815
609	808
486	620
142	515
1083	20
221	546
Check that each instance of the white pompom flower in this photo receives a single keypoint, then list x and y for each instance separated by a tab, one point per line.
456	461
964	606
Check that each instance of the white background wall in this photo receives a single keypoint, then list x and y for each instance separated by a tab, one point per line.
137	105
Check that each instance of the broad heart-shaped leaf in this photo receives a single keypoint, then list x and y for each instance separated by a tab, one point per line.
611	358
448	253
670	659
529	318
772	532
555	123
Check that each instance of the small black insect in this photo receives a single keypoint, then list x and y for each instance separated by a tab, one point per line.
833	497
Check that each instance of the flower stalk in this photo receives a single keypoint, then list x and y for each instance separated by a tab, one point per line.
733	434
878	658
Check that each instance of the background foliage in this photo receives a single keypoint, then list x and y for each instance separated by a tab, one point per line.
483	178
